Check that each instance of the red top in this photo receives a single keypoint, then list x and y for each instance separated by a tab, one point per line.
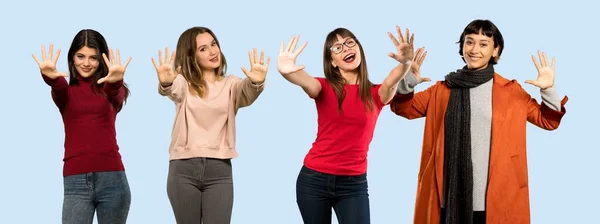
89	124
343	138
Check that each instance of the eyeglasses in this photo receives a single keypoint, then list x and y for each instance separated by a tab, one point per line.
337	48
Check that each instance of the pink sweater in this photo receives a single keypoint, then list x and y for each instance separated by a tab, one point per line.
206	127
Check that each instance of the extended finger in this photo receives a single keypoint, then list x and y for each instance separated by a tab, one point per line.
50	51
400	37
301	48
267	63
532	82
535	62
417	54
118	56
245	72
166	55
36	59
394	41
172	60
294	42
160	57
106	61
56	58
255	55
421	53
126	63
262	57
553	62
43	52
155	65
111	56
412	38
541	56
422	58
250	58
545	59
289	46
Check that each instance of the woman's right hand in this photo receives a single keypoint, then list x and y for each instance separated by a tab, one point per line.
286	61
48	63
164	70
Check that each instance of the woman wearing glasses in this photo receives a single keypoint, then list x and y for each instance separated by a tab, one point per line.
348	105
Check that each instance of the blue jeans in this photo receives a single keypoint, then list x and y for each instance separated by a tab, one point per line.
104	192
317	193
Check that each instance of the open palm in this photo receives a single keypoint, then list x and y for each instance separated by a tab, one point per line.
48	63
164	70
404	46
116	71
545	76
258	67
286	61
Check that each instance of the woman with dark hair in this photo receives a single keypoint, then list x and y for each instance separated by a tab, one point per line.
474	160
94	175
334	174
200	181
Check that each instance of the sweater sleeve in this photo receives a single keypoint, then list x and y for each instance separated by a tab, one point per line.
548	114
115	92
176	91
407	84
246	92
551	99
59	90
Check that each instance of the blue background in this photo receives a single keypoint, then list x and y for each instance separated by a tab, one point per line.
276	132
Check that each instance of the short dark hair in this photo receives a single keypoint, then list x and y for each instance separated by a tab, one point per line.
485	27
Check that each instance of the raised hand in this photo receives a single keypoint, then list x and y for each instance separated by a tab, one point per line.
164	70
116	71
545	76
286	61
258	67
404	46
48	63
415	66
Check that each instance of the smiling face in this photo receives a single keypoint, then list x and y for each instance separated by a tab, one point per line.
86	61
480	44
208	53
478	49
345	54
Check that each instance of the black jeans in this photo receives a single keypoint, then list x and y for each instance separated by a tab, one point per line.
317	193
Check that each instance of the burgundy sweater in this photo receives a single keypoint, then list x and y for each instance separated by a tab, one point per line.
89	124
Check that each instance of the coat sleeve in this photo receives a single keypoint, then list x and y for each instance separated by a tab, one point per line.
413	105
542	115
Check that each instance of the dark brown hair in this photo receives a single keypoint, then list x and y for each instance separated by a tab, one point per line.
92	39
333	75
